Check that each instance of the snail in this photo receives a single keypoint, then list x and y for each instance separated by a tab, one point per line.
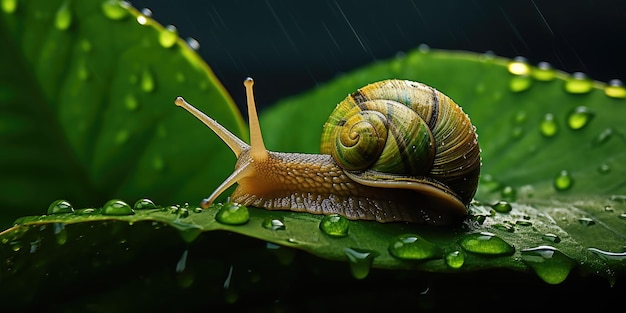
393	151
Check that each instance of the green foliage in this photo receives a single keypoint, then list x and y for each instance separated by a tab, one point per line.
88	116
87	100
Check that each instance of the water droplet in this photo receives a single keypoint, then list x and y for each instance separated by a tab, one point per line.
615	89
232	214
183	213
60	234
413	247
116	207
585	221
486	243
114	9
193	44
423	48
520	83
604	169
563	181
182	262
60	207
523	223
550	264
142	20
605	255
520	117
489	183
579	118
83	71
9	6
618	198
551	238
502	206
63	18
158	163
504	227
544	72
180	77
519	66
603	137
335	225
360	261
144	204
121	136
168	36
273	224
455	259
85	45
131	102
147	81
622	216
508	193
548	126
578	83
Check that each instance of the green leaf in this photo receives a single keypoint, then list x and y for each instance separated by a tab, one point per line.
87	100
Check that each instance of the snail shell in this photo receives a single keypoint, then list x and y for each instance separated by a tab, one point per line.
394	150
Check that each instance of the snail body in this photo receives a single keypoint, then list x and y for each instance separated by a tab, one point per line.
392	151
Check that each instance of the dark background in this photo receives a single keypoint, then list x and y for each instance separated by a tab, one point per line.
290	46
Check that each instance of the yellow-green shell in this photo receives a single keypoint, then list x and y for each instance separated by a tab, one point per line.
408	129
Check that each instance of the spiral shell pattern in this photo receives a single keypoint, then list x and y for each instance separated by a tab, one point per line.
405	128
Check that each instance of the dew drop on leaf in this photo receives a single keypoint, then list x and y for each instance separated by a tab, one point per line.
519	66
520	83
168	36
578	83
193	44
147	81
486	243
606	255
603	137
563	181
144	204
63	18
85	45
232	214
550	264
114	9
579	118
604	169
509	193
615	89
455	259
60	233
273	224
548	126
551	238
116	207
413	247
60	206
9	6
544	72
131	102
334	225
360	261
502	207
121	136
585	221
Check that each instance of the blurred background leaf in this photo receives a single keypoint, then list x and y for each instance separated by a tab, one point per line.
87	91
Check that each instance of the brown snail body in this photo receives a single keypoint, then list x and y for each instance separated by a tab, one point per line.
428	178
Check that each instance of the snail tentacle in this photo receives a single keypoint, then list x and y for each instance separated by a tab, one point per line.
234	143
